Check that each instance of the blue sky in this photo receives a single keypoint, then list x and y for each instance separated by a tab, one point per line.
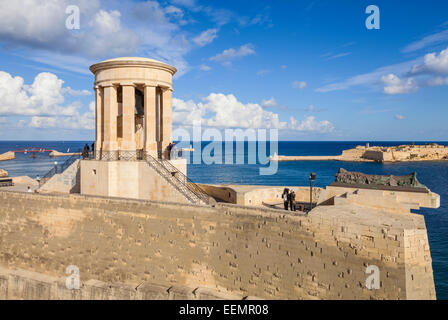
309	68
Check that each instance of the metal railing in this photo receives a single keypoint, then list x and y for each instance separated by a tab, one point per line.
180	181
193	187
117	155
121	155
59	168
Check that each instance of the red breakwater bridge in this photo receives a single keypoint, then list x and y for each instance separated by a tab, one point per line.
52	153
33	151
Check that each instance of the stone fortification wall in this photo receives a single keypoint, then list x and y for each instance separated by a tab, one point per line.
228	249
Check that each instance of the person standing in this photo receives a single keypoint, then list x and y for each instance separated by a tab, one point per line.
170	148
285	196
85	151
292	201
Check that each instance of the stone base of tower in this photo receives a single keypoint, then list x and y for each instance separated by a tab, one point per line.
129	179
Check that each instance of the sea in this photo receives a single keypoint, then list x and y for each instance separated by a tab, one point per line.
433	174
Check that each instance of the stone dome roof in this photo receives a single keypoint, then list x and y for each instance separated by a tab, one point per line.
132	61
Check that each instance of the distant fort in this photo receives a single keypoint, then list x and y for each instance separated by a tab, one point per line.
404	153
128	224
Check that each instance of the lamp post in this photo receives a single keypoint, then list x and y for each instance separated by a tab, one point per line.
312	179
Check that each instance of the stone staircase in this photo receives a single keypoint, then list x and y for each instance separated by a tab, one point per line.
179	181
63	181
58	169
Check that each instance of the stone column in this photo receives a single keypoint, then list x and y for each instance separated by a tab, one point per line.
150	104
99	120
110	118
128	142
166	119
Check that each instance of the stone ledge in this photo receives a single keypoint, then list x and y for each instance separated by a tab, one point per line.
27	285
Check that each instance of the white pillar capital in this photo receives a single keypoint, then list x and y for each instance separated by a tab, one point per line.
127	84
149	84
165	88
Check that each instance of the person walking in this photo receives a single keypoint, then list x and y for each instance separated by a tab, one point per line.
38	179
285	196
292	201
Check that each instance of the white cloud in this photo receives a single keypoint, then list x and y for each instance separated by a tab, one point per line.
339	55
38	23
220	110
400	117
206	37
437	81
41	25
432	39
429	65
310	124
106	22
204	67
433	63
131	29
370	78
231	54
76	93
176	13
394	85
299	84
269	103
76	121
43	100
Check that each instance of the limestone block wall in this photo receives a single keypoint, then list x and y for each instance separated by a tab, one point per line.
354	153
401	155
65	182
227	248
378	155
